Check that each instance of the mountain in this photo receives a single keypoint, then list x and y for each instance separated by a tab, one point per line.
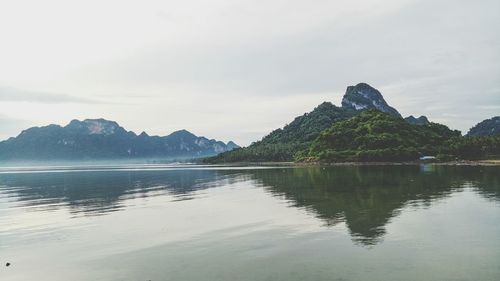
231	145
104	139
422	120
488	127
284	143
364	97
378	136
307	127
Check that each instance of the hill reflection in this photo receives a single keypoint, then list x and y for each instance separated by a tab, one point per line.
98	193
365	198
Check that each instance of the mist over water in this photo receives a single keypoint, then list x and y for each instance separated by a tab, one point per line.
188	222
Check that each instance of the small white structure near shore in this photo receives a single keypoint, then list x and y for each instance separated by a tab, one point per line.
425	158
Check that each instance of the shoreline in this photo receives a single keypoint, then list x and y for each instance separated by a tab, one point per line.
415	163
403	163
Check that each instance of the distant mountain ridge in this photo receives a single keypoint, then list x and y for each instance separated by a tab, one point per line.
104	139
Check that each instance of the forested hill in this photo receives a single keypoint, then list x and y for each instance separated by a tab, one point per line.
103	139
365	128
283	144
488	127
377	136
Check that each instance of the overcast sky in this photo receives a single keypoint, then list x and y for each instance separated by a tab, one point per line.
235	70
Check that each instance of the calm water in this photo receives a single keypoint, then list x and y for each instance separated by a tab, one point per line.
250	223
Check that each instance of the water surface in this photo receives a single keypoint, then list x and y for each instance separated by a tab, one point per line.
155	222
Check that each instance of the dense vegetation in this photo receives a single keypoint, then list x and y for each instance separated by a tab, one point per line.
283	144
371	135
377	136
471	148
375	132
307	127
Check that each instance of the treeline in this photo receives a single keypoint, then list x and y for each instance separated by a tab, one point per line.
370	136
259	152
471	148
377	136
284	144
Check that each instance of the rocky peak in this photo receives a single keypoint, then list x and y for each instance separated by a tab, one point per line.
363	97
95	127
422	120
182	135
231	145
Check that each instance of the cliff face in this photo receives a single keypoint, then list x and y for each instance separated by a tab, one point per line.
363	97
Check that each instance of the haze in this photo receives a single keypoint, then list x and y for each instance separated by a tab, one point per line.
235	70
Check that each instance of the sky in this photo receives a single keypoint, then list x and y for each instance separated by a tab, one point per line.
236	70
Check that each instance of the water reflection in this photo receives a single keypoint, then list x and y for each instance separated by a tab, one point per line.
365	198
98	193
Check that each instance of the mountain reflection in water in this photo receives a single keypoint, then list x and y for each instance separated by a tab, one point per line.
365	198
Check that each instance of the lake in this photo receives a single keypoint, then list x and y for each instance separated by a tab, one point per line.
161	222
